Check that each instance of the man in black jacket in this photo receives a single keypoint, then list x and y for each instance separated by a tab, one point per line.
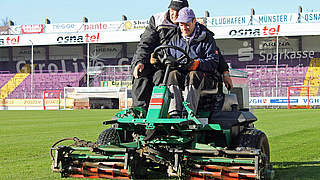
161	28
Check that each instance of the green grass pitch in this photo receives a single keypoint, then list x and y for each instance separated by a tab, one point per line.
26	137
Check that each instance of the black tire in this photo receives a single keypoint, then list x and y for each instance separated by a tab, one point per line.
255	139
108	136
138	167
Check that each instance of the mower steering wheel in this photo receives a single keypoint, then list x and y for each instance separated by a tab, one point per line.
163	56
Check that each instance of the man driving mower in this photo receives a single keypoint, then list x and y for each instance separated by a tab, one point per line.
200	45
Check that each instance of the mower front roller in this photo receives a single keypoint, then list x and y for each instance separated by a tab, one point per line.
226	164
86	162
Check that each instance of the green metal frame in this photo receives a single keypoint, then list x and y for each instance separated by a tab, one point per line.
158	115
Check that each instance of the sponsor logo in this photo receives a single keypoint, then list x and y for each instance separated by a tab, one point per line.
286	55
135	25
229	20
63	26
32	29
258	101
245	32
274	44
78	39
255	32
312	17
105	50
10	40
246	53
312	101
273	101
96	26
22	66
282	18
271	31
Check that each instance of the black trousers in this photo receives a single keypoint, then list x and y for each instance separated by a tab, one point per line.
183	79
151	76
142	86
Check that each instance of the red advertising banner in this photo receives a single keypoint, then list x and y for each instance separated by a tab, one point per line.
32	29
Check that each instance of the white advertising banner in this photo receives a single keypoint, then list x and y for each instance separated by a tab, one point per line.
134	35
63	27
228	21
283	101
288	18
32	29
266	30
95	27
275	19
79	27
70	38
33	104
310	17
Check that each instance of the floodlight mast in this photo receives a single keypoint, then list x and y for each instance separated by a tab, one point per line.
88	61
277	64
31	89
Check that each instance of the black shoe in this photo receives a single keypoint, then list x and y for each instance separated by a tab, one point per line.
175	116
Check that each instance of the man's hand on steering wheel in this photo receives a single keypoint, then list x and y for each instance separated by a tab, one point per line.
184	62
153	59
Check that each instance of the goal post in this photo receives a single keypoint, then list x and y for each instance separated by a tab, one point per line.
299	97
92	97
52	100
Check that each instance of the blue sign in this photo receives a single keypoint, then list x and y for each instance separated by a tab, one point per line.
283	101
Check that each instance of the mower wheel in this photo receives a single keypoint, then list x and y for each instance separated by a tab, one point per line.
108	136
256	139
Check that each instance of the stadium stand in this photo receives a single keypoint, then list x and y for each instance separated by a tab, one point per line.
262	79
111	73
42	82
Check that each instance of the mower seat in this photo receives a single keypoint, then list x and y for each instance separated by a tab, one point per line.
230	100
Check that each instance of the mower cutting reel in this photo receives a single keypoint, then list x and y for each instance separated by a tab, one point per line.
212	144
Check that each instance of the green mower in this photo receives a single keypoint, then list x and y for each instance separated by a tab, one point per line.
219	142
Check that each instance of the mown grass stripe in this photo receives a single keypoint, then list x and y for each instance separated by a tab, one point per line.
26	137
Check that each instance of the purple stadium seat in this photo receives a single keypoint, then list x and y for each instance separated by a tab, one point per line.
262	79
42	82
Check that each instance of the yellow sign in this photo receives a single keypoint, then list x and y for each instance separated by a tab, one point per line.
127	84
34	102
